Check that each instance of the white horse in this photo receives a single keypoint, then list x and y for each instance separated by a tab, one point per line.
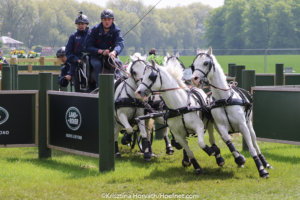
128	107
231	109
173	61
183	108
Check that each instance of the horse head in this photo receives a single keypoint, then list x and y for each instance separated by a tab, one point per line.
203	66
149	81
137	66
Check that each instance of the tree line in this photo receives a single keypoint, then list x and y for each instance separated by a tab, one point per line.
50	22
254	24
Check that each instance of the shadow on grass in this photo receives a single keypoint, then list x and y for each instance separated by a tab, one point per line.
282	158
73	170
173	175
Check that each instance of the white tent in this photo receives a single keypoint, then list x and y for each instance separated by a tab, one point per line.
10	43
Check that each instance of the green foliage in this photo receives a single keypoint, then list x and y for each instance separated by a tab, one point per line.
50	22
255	24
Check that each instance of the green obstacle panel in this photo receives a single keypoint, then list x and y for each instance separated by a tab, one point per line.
276	113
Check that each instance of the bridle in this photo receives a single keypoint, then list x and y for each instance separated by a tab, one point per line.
132	73
211	65
206	63
153	77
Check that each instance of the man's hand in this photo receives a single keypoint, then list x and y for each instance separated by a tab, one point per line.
113	54
100	51
68	77
106	52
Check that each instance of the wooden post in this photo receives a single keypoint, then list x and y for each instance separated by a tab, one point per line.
6	77
106	123
13	61
45	83
249	80
238	76
231	69
279	76
42	60
30	68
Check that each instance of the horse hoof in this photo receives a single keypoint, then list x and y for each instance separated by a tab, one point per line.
199	171
240	160
147	156
169	151
269	166
186	163
176	144
126	139
118	155
263	173
220	161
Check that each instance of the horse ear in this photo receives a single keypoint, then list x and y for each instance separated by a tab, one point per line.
177	55
153	63
168	55
198	50
209	52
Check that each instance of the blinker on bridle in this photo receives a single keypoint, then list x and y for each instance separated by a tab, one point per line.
210	64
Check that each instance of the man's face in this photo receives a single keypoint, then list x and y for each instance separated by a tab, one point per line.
63	59
81	26
107	22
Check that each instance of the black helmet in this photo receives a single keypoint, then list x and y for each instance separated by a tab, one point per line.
81	19
61	52
107	13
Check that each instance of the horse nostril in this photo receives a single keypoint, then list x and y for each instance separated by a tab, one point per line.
196	78
139	92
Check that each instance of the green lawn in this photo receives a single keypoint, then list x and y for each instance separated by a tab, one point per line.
66	176
251	62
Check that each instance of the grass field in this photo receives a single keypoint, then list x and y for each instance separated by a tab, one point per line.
251	62
66	176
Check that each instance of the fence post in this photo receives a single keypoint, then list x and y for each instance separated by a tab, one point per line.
249	80
238	75
45	83
231	69
106	123
6	77
15	77
266	61
42	60
279	77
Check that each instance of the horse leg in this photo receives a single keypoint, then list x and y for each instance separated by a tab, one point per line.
123	118
246	133
145	142
260	155
187	153
169	149
116	137
219	159
200	133
238	157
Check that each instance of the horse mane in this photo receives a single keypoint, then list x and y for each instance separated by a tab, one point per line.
218	66
176	73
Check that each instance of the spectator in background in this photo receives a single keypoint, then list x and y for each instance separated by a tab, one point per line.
2	59
64	78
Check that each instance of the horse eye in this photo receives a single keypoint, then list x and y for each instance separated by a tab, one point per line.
134	73
205	63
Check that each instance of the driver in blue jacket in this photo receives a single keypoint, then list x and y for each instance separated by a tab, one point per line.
105	39
76	43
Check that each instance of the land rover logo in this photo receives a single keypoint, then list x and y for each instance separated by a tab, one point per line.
3	115
73	118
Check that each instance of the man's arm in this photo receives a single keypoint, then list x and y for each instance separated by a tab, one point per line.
119	42
69	50
91	41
